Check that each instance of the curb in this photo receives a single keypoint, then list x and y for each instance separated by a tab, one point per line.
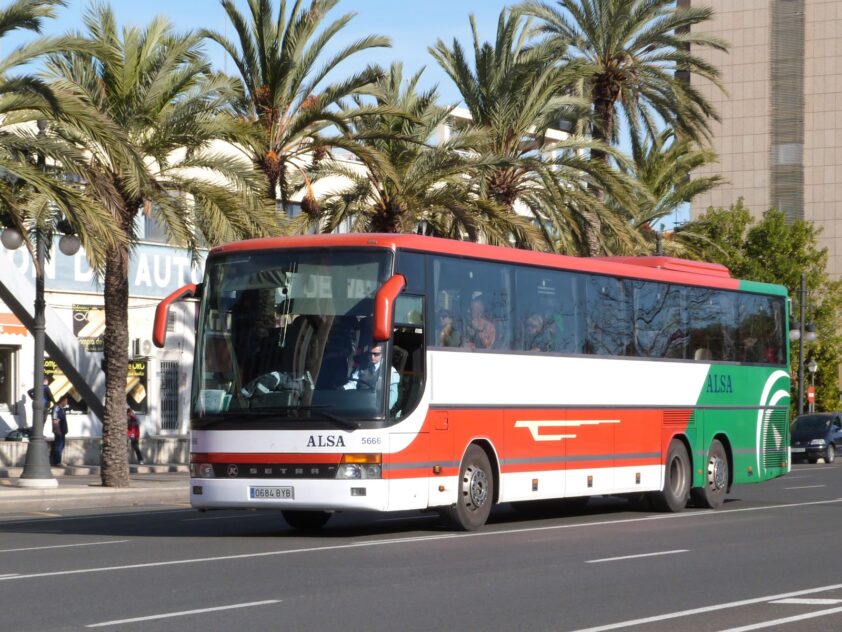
16	501
93	470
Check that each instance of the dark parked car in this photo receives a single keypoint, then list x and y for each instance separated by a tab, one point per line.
816	436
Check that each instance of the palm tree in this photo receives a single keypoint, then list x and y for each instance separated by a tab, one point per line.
29	196
410	185
663	168
634	55
284	92
516	95
154	93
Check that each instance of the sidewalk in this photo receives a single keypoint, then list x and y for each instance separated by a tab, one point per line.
81	488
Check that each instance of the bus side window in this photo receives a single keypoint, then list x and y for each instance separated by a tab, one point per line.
408	361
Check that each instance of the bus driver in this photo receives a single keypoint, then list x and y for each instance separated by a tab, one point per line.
368	377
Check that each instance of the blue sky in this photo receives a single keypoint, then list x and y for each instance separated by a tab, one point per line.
412	26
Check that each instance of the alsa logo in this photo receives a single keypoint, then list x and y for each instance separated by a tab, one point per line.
326	441
719	384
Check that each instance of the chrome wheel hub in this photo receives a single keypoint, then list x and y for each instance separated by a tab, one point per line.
477	486
717	474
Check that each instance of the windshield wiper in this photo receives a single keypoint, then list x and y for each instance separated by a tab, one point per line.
339	421
276	411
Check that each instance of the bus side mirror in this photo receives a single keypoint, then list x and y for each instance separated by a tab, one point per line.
384	307
159	330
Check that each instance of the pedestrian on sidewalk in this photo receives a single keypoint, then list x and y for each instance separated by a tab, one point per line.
59	430
133	427
47	395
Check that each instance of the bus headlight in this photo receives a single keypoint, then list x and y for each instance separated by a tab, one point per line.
817	442
349	471
201	470
356	466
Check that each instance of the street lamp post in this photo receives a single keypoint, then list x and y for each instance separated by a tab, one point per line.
802	332
36	471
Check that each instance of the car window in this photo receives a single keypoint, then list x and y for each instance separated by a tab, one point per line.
812	424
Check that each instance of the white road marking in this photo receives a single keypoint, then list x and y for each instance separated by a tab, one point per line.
92	517
8	575
808	602
183	613
721	606
371	543
61	546
777	622
806	487
631	557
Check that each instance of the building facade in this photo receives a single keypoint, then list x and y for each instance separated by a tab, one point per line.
158	385
780	138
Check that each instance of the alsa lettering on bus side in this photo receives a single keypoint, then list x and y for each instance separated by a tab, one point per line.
326	441
719	384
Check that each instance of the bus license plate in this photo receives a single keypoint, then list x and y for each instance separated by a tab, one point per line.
272	493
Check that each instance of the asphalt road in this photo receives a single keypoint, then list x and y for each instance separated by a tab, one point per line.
767	560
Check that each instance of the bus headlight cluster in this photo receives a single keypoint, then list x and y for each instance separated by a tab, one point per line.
359	466
201	470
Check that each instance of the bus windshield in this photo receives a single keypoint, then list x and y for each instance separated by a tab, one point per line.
284	334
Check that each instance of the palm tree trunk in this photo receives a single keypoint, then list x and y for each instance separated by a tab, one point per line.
603	130
115	465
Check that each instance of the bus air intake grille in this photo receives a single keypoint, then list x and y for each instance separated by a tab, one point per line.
681	418
773	439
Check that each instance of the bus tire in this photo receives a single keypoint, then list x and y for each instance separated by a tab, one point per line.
673	497
717	477
475	494
305	520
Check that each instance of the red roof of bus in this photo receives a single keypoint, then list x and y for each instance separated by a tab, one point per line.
651	268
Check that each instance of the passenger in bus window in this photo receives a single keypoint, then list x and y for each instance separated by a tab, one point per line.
480	332
750	349
449	336
538	335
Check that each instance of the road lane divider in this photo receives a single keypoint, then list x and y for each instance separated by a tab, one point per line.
785	620
806	487
61	546
639	555
808	602
658	618
183	613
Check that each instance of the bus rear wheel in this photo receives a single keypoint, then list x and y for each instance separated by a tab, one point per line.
476	491
305	520
673	497
717	476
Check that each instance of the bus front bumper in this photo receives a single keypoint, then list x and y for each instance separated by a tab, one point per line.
318	494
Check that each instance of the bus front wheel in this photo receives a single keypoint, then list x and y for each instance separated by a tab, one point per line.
673	497
305	520
476	491
717	475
